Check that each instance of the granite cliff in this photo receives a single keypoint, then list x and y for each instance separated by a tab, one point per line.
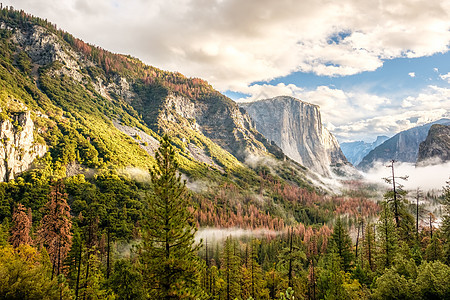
296	127
18	147
436	147
402	147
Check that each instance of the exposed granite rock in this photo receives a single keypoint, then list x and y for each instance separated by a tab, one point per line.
218	118
146	141
296	127
18	149
44	47
200	155
436	147
402	147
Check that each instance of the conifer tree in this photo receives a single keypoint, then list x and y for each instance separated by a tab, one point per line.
369	246
253	283
331	278
54	232
342	244
387	236
230	271
434	249
291	259
404	221
168	250
446	223
20	231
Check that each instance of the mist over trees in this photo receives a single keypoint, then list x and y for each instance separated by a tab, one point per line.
113	248
106	235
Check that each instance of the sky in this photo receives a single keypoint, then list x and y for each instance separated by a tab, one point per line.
373	67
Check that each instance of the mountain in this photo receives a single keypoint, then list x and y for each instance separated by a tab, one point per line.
355	151
436	147
114	108
296	127
402	147
76	113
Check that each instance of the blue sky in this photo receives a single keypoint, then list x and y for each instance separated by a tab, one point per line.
374	67
393	79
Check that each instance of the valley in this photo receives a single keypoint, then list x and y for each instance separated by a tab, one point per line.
123	181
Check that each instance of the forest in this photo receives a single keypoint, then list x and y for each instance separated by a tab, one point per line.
108	240
101	233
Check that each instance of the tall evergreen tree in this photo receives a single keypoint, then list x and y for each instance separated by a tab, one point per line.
396	198
369	246
168	250
387	236
54	232
291	259
230	271
446	223
20	231
342	244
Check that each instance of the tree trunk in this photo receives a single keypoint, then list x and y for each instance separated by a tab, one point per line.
78	271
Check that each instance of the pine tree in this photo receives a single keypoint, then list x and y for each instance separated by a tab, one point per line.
404	221
291	259
434	249
168	250
253	283
230	271
331	278
387	236
20	231
369	246
446	223
54	232
342	244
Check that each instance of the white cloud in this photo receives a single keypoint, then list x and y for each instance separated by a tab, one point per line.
364	116
232	43
412	74
446	77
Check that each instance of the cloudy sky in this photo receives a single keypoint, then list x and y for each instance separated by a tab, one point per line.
374	67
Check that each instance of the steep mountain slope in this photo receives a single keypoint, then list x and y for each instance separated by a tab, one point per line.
98	110
355	151
402	147
436	147
93	120
296	127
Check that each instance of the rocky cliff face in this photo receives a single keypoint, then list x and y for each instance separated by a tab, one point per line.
18	149
402	147
219	119
214	116
296	127
436	147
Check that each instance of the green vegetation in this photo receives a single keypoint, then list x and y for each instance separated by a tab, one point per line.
79	225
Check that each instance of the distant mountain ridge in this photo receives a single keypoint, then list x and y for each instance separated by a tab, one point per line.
402	147
296	127
355	151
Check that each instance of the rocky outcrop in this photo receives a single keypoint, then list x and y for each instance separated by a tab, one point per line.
44	47
436	147
18	148
355	151
215	116
296	127
402	147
